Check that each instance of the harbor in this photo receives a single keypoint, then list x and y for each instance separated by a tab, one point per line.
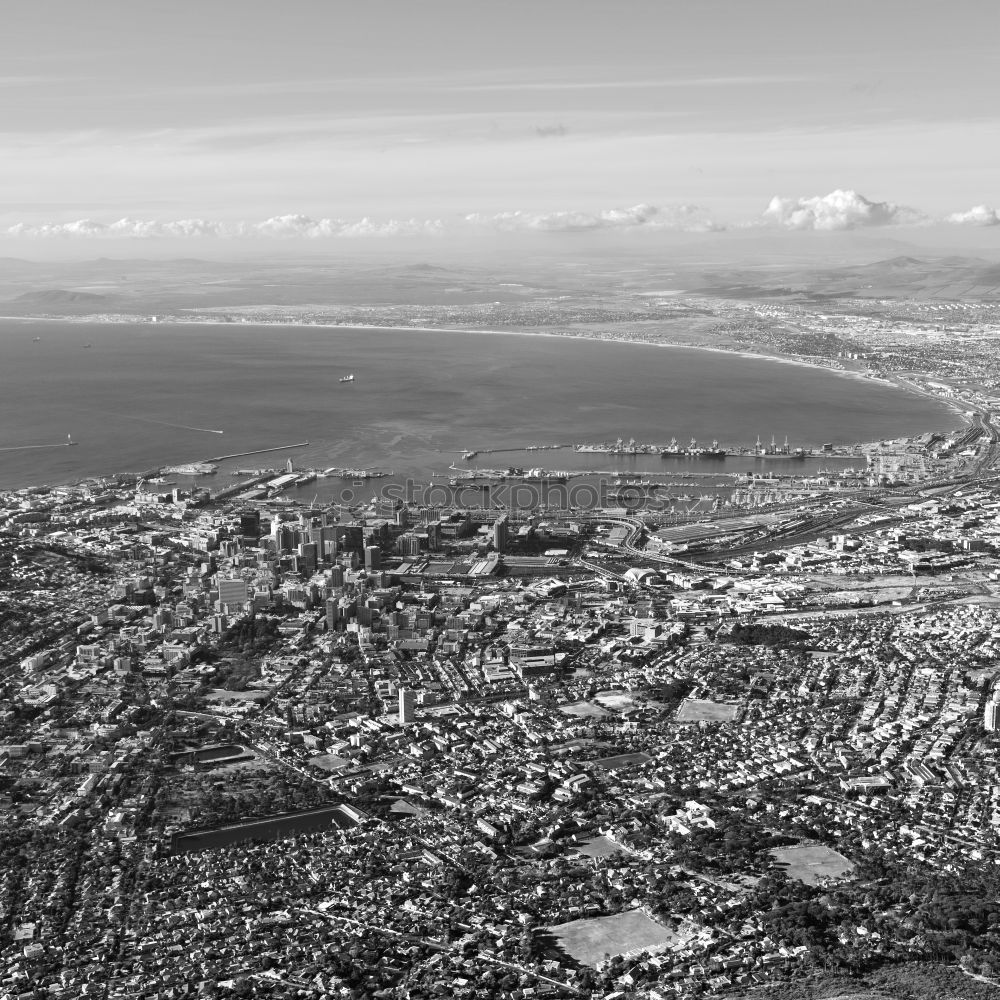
694	450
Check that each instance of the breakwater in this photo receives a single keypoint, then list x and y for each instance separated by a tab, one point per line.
258	451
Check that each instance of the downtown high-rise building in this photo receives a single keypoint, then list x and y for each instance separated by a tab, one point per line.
407	706
991	714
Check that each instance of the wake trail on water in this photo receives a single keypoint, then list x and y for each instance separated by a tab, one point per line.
32	447
161	423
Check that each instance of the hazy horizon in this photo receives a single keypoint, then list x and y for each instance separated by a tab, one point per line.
445	121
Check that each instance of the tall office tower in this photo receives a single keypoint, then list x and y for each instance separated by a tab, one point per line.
250	524
334	613
373	558
991	717
408	544
500	533
232	595
434	535
351	537
284	537
307	557
407	706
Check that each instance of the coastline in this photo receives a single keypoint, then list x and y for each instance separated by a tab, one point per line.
781	359
963	417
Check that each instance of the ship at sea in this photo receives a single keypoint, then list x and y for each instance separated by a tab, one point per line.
347	378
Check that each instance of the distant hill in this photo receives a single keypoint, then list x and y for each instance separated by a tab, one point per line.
61	296
942	278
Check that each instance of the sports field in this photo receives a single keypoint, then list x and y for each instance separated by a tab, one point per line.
599	847
585	709
590	940
700	710
811	863
620	760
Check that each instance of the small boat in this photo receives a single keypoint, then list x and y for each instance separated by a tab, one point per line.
86	345
37	339
69	441
347	378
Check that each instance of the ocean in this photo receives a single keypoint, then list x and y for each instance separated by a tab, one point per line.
145	395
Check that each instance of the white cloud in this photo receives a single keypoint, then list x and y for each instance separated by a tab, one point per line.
123	228
838	210
685	217
281	227
82	227
179	228
980	215
688	218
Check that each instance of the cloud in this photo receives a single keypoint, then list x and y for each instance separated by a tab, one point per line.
687	218
278	227
179	229
303	227
838	210
980	215
127	228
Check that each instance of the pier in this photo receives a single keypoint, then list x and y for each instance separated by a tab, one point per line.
473	452
241	487
258	451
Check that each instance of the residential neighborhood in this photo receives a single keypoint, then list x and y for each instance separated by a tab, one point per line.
272	750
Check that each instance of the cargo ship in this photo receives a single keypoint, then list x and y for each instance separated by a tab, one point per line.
618	447
674	450
713	452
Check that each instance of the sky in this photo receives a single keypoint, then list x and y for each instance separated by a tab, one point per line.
316	119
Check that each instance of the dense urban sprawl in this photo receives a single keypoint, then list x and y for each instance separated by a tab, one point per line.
253	748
